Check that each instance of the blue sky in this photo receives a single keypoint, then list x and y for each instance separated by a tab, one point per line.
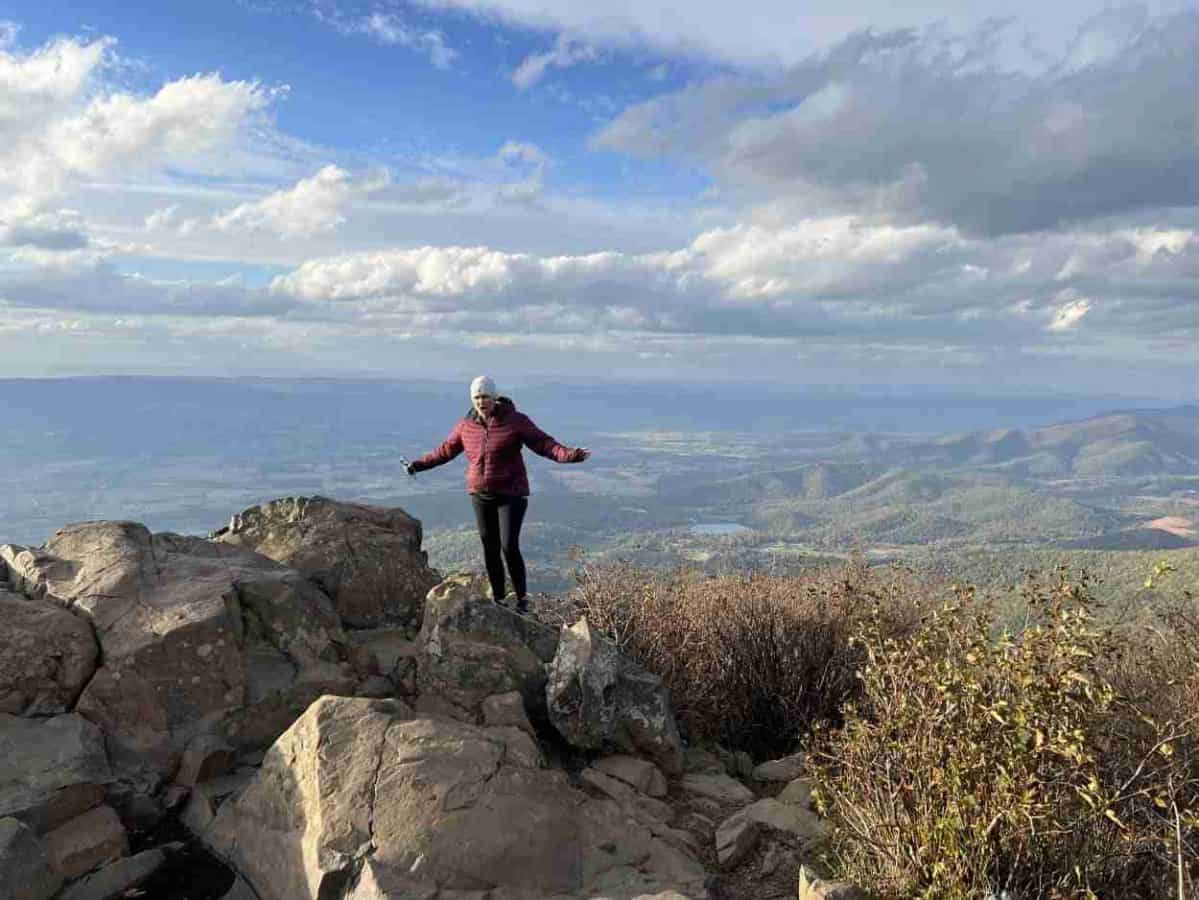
851	192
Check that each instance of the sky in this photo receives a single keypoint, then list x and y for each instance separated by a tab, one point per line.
821	193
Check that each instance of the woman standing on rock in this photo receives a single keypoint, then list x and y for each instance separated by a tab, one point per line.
492	433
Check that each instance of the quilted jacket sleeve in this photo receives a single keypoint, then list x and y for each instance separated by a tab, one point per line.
449	448
544	445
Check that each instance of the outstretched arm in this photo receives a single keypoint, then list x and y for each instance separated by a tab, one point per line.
449	448
544	445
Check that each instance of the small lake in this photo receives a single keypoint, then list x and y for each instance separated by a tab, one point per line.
719	528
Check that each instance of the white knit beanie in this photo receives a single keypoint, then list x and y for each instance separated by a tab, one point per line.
482	385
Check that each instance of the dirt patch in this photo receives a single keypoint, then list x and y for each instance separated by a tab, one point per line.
1176	525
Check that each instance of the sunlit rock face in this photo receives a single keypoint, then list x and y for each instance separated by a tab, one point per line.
367	799
195	636
368	559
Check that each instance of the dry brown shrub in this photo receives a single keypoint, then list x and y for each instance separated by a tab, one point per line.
751	660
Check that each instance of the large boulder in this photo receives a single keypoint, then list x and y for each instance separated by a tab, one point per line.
51	770
47	655
471	648
363	799
601	700
196	637
367	558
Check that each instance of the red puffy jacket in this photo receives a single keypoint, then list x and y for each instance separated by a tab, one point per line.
494	463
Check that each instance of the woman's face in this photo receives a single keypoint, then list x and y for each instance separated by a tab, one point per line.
484	404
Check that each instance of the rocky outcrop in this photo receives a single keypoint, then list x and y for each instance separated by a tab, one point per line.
47	655
52	770
196	637
184	659
599	699
363	798
368	559
471	649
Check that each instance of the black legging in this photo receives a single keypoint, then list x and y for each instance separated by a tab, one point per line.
499	517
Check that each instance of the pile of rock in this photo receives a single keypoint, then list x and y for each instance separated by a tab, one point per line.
334	721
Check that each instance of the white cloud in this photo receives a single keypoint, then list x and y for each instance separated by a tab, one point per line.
765	33
313	206
841	279
930	126
1069	314
566	52
60	126
391	30
85	282
61	230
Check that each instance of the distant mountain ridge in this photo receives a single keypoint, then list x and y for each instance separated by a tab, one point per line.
1125	443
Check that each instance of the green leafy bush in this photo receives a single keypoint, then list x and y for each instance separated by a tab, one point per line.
1053	761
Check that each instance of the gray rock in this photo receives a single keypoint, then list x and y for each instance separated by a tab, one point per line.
241	890
786	769
360	799
813	888
598	699
391	647
47	655
735	840
367	558
647	809
470	648
507	709
797	793
87	841
638	773
802	823
376	687
53	770
174	617
25	872
117	877
718	787
207	756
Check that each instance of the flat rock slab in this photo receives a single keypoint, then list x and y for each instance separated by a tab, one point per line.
720	788
118	877
786	769
87	841
47	655
52	770
640	774
25	871
794	820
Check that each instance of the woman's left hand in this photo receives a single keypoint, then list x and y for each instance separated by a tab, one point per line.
583	453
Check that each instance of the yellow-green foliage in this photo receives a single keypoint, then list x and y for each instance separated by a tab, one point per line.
1057	761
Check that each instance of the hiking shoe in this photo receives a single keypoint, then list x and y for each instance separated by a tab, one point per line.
522	605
